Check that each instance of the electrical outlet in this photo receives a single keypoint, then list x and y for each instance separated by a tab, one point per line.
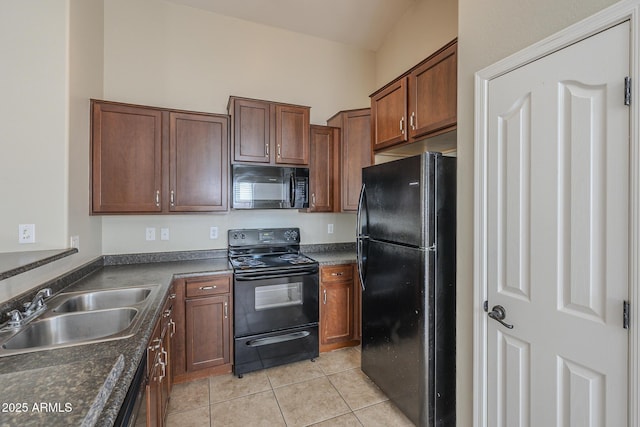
74	242
151	233
26	233
164	234
330	228
213	233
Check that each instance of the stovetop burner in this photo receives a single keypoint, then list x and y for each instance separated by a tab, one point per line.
266	249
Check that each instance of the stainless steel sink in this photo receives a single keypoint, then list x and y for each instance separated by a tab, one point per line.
73	328
100	300
81	317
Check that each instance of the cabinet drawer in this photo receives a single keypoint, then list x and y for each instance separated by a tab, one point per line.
207	286
336	273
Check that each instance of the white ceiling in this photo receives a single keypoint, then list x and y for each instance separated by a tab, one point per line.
360	23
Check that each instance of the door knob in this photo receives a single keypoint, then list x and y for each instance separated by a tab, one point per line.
499	313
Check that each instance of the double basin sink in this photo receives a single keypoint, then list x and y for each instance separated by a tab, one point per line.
83	317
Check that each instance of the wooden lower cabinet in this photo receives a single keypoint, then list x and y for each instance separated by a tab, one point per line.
159	361
203	316
339	307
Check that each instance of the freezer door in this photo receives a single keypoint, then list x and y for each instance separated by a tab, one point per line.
396	200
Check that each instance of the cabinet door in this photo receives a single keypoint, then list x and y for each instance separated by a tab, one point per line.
336	312
432	94
153	397
207	332
322	168
389	114
198	166
126	169
251	130
292	134
356	154
164	382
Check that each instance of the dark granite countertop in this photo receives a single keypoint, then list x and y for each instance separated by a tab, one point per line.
86	384
13	263
334	257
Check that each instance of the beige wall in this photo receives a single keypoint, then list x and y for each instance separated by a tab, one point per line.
33	122
424	28
489	31
52	63
85	81
162	54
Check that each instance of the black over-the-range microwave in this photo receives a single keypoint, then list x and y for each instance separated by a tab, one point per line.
270	187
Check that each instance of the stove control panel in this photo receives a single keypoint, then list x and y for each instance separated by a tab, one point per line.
264	236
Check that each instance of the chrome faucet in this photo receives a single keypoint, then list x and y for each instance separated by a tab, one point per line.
19	318
37	303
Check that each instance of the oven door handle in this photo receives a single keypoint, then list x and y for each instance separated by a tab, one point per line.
259	342
272	276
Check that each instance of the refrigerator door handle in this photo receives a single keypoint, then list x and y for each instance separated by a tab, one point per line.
360	238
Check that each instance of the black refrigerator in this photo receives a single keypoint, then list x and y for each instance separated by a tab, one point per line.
406	249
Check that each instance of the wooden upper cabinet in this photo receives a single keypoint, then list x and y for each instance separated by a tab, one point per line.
419	104
355	154
433	92
251	130
198	162
152	160
389	113
292	134
126	154
323	168
269	132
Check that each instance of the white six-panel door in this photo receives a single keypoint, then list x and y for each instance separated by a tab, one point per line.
557	244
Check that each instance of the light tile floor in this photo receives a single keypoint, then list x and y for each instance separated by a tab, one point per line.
332	391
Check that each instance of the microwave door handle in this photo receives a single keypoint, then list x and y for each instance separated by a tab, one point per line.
292	190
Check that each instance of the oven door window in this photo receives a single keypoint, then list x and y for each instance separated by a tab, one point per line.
278	296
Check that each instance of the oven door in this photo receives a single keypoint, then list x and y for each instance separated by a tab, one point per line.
265	304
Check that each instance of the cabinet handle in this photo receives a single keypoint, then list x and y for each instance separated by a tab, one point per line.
313	200
166	313
337	274
412	120
324	296
279	150
207	288
266	150
173	327
402	125
163	363
158	198
226	310
172	296
153	346
172	198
